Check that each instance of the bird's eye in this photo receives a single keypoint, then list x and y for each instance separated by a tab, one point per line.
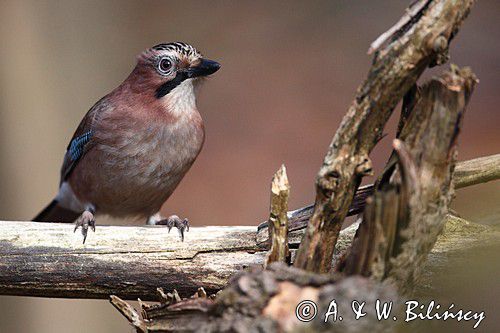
165	65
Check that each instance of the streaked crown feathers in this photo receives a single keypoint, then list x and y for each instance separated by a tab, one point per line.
179	48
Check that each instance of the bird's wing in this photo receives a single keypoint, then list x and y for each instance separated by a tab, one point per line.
81	142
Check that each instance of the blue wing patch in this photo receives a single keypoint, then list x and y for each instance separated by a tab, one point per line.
77	145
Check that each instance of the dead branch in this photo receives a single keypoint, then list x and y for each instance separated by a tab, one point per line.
265	302
270	297
48	259
395	70
430	147
476	171
406	213
411	13
128	312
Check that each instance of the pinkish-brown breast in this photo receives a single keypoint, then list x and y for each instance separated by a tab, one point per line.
142	152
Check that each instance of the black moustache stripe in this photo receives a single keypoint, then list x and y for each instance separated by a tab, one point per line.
168	86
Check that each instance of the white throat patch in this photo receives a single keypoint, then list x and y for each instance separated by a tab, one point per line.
182	99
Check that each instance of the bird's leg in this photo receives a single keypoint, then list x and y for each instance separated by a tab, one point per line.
85	221
172	221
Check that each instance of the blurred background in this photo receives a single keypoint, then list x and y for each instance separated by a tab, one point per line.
289	72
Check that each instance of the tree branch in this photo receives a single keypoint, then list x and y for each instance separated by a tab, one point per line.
48	259
395	70
476	171
257	300
406	213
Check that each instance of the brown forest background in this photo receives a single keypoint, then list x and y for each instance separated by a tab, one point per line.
289	72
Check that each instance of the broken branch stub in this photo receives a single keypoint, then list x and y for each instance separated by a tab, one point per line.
278	219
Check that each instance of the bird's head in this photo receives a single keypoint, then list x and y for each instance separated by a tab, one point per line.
171	70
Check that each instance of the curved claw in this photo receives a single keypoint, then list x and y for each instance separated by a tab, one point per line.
175	221
85	221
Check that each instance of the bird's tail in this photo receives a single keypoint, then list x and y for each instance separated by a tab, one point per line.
55	213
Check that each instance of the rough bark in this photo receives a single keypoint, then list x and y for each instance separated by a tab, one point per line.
48	259
406	213
266	302
427	155
415	46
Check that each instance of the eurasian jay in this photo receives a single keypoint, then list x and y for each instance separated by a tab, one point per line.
135	144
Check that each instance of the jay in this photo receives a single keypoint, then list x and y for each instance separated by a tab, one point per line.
134	146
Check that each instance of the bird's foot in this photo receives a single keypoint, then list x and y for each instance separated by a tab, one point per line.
175	221
85	221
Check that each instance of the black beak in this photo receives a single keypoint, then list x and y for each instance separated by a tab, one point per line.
204	68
